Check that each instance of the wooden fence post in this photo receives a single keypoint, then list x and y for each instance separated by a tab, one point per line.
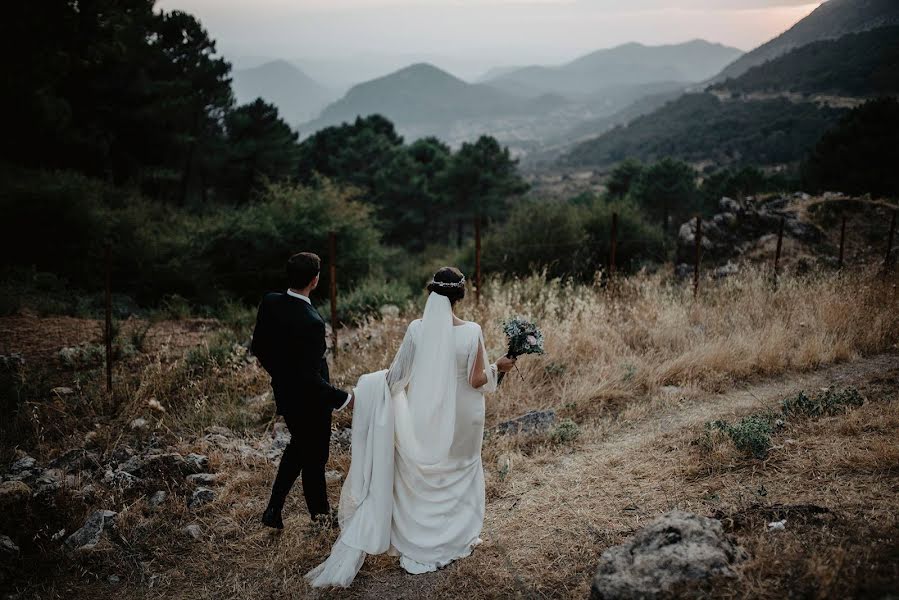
477	259
842	243
108	330
886	259
332	276
613	245
698	255
780	239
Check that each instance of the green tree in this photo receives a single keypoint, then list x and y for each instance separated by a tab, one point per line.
623	177
667	192
260	146
352	153
479	180
860	155
407	193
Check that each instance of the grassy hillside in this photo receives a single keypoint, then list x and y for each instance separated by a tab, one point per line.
699	127
832	19
859	64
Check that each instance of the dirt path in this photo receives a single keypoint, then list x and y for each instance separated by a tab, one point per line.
569	507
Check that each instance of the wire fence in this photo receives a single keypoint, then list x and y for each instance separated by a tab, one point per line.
68	339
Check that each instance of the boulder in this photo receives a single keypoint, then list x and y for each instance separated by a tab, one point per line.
7	546
193	530
202	478
76	459
157	498
13	493
90	533
200	497
534	421
62	391
196	463
139	423
26	463
342	438
659	560
119	478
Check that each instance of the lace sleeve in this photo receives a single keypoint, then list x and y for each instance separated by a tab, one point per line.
490	369
401	369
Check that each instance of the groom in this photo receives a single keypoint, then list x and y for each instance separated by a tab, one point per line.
289	341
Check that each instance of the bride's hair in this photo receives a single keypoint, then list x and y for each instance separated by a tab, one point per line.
449	282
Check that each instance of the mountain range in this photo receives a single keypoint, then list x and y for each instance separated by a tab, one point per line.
297	96
773	103
626	65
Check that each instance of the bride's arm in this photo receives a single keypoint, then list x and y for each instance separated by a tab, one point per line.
482	377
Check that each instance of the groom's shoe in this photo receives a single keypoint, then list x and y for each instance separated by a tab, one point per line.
272	518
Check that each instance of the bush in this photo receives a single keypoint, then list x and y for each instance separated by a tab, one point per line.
751	435
832	401
572	240
367	298
565	432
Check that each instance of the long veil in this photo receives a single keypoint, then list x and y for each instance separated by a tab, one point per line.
421	423
426	414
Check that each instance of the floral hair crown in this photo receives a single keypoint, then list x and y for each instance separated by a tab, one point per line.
447	284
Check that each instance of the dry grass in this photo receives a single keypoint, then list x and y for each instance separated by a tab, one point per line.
552	508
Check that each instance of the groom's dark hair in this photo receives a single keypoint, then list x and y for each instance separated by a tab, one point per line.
448	275
302	269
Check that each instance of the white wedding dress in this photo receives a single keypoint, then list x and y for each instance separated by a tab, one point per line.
415	487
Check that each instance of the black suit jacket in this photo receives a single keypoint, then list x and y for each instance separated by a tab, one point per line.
289	341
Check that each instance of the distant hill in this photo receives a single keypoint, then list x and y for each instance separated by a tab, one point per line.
858	64
701	127
833	19
297	96
626	65
424	100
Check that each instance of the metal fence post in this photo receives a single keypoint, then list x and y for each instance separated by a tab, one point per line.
698	255
108	330
842	243
780	239
332	276
477	259
613	244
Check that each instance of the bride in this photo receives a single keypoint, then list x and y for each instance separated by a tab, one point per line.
415	486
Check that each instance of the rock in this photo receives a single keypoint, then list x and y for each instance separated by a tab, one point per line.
26	463
726	270
90	533
76	459
331	476
219	430
46	484
7	546
197	463
154	404
113	579
139	423
87	493
343	438
390	310
157	498
58	535
62	391
729	205
531	422
200	497
13	493
202	478
675	549
122	479
193	530
777	525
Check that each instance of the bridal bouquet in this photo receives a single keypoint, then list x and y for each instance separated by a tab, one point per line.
524	338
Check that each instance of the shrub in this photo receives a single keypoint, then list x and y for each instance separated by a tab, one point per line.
832	401
565	432
367	298
751	435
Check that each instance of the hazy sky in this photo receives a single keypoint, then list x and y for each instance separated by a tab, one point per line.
471	35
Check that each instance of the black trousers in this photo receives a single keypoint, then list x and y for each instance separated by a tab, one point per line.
306	454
